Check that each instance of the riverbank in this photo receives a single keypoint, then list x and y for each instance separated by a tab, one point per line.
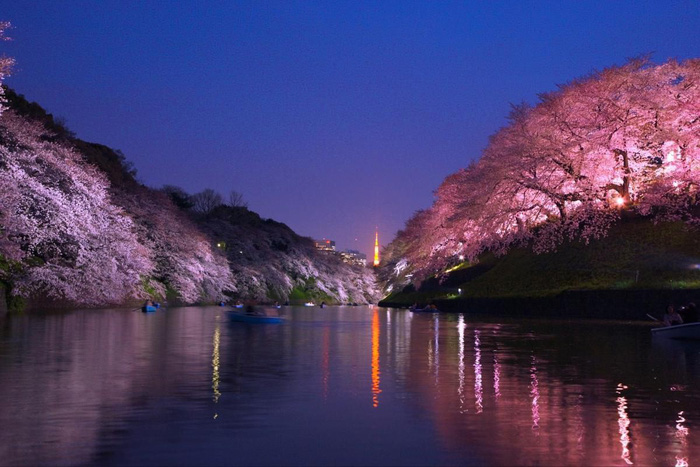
599	304
638	268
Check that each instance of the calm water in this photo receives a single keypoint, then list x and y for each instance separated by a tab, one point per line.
344	386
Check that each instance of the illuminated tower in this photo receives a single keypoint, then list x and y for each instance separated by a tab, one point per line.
376	248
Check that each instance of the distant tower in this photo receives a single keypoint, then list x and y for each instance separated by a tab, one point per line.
376	248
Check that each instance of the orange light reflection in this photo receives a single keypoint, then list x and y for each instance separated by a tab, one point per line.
375	360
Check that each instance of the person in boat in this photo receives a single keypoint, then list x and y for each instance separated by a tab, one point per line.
672	317
148	303
323	304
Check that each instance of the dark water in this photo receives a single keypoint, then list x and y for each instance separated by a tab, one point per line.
343	386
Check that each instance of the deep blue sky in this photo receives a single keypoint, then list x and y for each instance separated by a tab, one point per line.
332	117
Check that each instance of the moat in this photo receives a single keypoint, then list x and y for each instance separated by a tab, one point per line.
342	386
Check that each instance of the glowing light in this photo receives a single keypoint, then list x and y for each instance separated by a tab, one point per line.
461	257
376	248
375	360
623	423
620	201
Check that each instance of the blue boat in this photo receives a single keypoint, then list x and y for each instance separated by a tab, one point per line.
148	309
248	318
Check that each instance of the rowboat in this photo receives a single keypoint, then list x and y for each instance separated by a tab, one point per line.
247	318
690	331
148	309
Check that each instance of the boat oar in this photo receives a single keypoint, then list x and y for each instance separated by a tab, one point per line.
652	317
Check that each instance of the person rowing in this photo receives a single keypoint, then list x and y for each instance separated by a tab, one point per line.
672	317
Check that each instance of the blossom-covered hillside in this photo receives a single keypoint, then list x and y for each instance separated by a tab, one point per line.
77	229
623	139
269	260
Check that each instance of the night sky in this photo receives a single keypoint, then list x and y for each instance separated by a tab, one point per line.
332	117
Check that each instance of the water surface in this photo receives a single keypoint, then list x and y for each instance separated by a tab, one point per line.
342	386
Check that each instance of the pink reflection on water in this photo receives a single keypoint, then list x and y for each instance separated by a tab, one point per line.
623	423
436	348
496	376
461	326
534	396
478	386
215	364
682	433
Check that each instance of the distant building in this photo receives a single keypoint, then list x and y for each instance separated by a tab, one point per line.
376	248
325	245
354	257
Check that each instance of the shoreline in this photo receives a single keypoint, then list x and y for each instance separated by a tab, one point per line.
595	304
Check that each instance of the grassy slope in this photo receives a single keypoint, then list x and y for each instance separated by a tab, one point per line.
635	255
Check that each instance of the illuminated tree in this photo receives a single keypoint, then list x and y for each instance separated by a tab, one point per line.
623	138
59	222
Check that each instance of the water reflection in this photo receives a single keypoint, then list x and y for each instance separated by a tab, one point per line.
215	359
375	359
682	435
325	361
535	395
478	387
623	423
436	346
120	388
496	376
461	326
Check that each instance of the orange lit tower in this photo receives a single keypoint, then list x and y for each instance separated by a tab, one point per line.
376	248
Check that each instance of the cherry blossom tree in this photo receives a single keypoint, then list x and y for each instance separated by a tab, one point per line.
58	221
626	137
